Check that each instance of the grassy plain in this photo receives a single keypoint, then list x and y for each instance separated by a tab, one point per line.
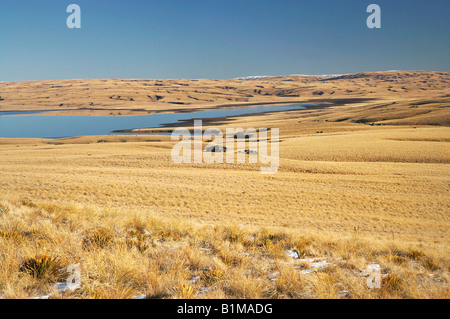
358	183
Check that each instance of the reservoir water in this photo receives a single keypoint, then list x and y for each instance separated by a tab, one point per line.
36	124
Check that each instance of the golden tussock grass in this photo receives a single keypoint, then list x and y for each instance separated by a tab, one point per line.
191	260
358	184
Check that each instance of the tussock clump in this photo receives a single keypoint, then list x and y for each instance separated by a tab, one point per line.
400	253
415	254
323	286
301	246
117	292
34	233
279	238
230	259
99	238
136	238
212	275
397	260
429	264
184	291
272	248
169	230
4	209
41	266
12	235
239	285
233	234
392	283
140	245
28	203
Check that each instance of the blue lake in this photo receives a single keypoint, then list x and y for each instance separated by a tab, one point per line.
39	125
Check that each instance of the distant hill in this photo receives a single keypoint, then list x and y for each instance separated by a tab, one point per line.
131	96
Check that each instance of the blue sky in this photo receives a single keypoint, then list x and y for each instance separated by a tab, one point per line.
219	39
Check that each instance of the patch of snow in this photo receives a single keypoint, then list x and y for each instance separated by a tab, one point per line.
314	264
322	75
292	253
206	289
194	279
308	271
320	264
253	77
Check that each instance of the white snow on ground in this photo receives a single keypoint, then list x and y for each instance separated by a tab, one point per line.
254	77
206	289
321	75
257	77
194	279
292	253
314	264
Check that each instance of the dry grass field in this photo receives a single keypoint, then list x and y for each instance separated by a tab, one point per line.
360	182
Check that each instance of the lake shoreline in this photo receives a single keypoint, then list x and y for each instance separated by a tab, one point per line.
224	119
62	126
141	111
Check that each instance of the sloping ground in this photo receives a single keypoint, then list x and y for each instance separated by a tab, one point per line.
120	96
428	111
129	253
358	184
390	179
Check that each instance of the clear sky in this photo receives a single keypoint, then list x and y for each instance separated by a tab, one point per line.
219	39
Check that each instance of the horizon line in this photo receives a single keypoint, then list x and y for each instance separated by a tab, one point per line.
247	77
